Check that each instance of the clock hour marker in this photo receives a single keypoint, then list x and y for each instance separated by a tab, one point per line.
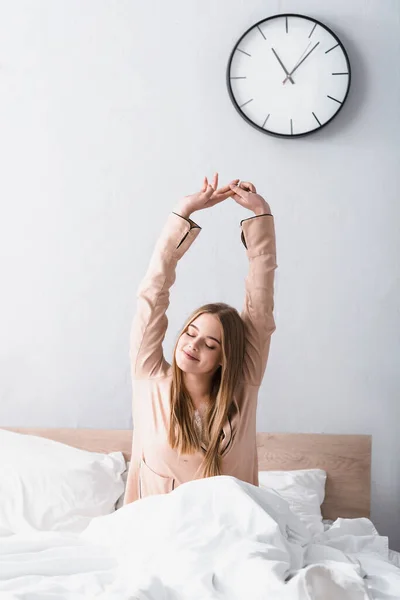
335	99
261	32
312	30
316	119
286	24
339	73
251	100
243	52
244	77
336	45
291	127
266	119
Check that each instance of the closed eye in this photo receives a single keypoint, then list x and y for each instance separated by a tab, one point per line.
209	347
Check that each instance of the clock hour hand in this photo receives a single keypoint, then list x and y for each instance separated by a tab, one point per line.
283	67
297	66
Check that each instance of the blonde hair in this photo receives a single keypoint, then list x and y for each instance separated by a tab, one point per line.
182	433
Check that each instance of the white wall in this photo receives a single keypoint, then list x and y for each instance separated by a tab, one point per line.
109	112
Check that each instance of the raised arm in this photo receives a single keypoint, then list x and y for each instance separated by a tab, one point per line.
258	237
150	321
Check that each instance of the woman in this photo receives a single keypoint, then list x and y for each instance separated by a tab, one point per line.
197	417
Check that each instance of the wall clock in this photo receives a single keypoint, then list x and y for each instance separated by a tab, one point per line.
288	75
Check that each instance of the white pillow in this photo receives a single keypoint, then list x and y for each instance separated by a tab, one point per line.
50	486
124	478
303	489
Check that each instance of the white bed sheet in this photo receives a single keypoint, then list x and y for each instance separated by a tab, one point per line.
216	538
393	555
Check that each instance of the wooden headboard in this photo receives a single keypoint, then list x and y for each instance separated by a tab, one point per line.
345	458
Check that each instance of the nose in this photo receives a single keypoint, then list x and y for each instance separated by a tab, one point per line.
193	346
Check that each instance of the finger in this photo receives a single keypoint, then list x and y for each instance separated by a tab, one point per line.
215	181
226	188
209	191
248	186
205	184
223	195
239	191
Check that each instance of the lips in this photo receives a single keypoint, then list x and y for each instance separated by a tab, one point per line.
190	357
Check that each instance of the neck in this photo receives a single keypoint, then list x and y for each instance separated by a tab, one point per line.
199	388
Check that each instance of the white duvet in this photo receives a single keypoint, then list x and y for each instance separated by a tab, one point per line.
216	538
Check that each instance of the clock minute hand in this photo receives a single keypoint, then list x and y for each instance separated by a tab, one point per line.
297	66
283	67
300	57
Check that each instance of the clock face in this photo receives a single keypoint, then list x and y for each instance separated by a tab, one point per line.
288	75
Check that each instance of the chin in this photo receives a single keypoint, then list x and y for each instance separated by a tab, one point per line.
185	368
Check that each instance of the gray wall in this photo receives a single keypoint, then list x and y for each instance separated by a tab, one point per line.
111	111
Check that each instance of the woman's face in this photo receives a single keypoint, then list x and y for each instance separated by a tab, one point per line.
202	340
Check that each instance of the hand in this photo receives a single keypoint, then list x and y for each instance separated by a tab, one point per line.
246	195
283	66
299	63
208	196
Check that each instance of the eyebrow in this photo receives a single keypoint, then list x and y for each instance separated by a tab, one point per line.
209	336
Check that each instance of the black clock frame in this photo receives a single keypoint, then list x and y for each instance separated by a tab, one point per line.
232	97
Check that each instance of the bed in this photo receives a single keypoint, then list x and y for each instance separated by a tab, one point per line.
345	458
365	563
